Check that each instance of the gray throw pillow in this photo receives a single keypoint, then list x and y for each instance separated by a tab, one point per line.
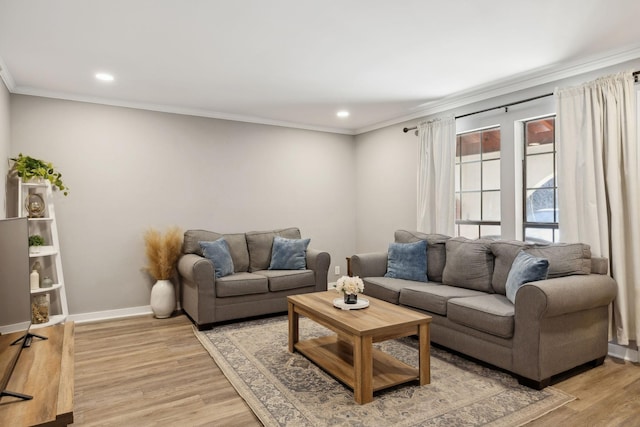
407	261
525	269
218	252
289	254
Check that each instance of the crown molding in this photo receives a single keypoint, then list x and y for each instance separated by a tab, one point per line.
6	77
522	81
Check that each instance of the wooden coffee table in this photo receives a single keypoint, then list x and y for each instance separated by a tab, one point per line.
349	355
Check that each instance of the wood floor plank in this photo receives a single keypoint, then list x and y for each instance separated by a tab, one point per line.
154	372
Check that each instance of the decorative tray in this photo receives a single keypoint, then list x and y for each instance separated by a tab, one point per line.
362	303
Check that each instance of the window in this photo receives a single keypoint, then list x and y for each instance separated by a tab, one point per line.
540	193
478	183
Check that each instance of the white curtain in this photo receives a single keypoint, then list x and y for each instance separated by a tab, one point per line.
436	157
598	185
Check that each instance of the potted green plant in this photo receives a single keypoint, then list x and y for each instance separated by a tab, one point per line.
35	241
29	168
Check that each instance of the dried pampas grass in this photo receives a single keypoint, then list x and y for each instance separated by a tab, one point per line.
162	251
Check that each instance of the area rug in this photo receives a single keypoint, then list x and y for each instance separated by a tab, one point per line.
285	389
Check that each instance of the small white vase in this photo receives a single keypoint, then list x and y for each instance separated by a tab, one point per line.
163	299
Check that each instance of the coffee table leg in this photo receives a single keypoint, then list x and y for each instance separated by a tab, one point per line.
293	327
425	354
363	369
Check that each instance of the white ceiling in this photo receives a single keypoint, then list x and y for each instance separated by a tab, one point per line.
297	62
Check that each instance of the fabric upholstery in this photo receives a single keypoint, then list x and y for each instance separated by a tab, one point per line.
436	251
505	252
493	313
469	264
289	254
565	259
236	242
259	244
386	288
218	252
433	297
526	268
407	261
281	280
241	284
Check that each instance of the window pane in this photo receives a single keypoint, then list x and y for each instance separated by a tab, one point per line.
539	169
541	207
469	231
457	173
471	176
458	206
470	146
538	235
470	206
491	175
491	144
540	133
491	205
490	231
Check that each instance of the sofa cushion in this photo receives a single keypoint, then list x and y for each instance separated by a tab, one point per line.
282	280
436	252
236	242
505	252
526	268
260	243
386	288
407	261
469	264
218	252
433	297
565	259
493	314
241	284
289	254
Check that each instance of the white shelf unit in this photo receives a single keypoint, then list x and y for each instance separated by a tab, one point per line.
48	256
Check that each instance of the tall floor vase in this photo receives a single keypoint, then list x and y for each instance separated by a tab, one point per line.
163	299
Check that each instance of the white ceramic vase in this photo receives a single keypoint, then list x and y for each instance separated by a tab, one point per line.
163	299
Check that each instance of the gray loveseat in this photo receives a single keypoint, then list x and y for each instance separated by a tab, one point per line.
253	288
554	325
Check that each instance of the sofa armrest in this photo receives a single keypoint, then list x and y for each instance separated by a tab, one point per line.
372	264
554	297
319	262
196	269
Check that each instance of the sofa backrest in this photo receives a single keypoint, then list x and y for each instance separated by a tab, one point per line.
260	244
236	241
470	264
565	259
436	253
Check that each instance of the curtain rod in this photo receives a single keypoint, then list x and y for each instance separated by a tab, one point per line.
505	106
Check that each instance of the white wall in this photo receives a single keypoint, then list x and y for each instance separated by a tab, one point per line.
130	169
5	144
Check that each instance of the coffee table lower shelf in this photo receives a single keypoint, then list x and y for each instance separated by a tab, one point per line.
335	356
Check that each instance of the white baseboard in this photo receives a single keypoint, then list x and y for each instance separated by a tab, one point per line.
111	314
625	353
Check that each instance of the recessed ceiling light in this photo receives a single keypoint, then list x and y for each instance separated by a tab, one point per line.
343	114
104	77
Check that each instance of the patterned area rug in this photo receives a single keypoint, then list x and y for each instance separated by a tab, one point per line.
285	389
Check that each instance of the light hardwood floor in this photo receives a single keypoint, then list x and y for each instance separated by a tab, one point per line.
154	372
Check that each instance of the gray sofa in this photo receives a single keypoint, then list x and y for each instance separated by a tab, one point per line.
252	289
555	324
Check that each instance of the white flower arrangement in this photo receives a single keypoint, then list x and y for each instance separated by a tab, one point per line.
349	285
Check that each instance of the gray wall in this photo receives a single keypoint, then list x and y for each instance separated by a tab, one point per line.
5	144
131	169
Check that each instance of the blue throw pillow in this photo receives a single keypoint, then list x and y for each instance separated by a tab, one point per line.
218	252
408	261
525	268
289	254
